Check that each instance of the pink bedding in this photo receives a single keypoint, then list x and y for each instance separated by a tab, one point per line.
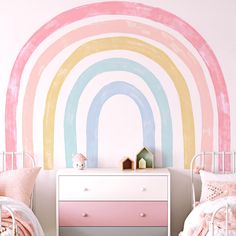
27	223
24	227
198	221
219	222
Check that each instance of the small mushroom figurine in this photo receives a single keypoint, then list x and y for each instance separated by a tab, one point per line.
79	161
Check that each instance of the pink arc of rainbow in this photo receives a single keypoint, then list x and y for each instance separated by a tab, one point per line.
118	8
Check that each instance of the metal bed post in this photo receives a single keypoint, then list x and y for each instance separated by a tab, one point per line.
213	162
0	218
192	180
192	175
3	161
233	168
227	217
223	162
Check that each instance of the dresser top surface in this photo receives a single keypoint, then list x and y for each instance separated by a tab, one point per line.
113	171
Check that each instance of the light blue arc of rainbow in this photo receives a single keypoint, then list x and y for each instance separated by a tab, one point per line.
118	64
116	88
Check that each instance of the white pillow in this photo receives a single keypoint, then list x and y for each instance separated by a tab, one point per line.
207	177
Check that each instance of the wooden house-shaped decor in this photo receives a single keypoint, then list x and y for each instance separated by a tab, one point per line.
144	159
142	164
126	164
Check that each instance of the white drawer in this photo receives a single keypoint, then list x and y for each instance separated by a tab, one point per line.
93	187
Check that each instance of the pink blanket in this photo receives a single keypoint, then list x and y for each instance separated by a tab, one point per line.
24	227
220	222
27	222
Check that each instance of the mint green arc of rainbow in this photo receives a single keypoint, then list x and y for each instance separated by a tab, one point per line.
118	43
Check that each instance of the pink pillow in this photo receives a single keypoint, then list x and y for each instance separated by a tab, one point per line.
18	184
214	189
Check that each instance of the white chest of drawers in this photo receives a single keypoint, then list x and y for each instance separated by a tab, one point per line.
107	202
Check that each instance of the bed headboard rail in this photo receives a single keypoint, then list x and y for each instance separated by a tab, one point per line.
16	160
217	160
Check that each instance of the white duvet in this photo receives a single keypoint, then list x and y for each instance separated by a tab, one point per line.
208	207
25	218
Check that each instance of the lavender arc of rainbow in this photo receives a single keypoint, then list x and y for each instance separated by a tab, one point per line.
116	64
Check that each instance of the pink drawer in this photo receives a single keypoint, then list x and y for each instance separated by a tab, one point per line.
113	213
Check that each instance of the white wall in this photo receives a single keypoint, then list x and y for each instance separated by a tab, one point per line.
213	19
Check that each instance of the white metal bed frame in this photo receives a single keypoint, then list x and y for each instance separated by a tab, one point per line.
14	225
24	156
226	207
214	157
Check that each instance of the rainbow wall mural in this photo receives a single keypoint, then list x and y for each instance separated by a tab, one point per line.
71	76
